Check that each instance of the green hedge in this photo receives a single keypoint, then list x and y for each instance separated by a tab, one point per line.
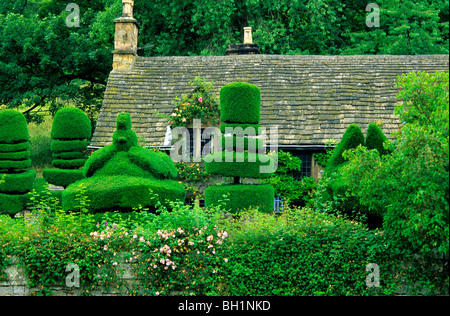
375	138
240	102
14	147
62	177
14	165
68	164
241	196
13	127
244	143
13	203
68	145
18	182
352	138
69	155
122	192
71	124
19	155
307	254
216	164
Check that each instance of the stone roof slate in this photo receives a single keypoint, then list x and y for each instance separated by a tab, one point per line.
310	98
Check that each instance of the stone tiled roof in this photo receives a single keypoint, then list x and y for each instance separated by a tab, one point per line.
310	98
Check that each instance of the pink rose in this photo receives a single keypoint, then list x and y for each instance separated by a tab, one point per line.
200	99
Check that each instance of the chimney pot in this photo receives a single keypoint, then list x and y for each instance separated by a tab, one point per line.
248	39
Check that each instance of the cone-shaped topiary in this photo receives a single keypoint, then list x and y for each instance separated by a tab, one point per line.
375	138
240	113
71	131
123	175
16	179
352	138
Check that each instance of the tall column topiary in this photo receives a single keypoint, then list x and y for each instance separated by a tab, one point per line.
71	131
240	113
16	177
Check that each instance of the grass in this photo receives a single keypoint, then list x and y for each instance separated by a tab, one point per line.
41	155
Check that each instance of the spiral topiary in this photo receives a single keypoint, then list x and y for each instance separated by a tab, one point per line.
16	179
123	175
240	113
71	131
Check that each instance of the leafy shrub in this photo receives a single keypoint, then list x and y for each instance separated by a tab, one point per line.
243	96
62	177
241	196
305	253
239	144
410	186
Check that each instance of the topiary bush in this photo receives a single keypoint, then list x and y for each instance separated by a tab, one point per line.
124	175
375	139
16	179
240	113
352	138
71	131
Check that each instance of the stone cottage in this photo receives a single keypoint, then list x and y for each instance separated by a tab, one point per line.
310	99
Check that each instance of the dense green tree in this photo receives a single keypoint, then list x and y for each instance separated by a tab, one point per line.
46	64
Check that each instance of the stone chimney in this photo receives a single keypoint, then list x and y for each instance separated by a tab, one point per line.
246	48
125	38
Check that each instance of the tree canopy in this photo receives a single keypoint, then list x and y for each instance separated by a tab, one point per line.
45	64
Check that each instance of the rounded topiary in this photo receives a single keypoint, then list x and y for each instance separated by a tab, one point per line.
71	131
352	138
240	102
13	127
124	175
71	124
375	138
16	179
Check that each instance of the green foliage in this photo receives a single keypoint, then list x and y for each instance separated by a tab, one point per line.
13	127
71	124
250	129
240	102
16	180
322	158
124	175
292	191
239	144
243	164
71	131
62	177
306	253
410	185
406	28
240	197
375	138
60	146
201	104
46	65
352	138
